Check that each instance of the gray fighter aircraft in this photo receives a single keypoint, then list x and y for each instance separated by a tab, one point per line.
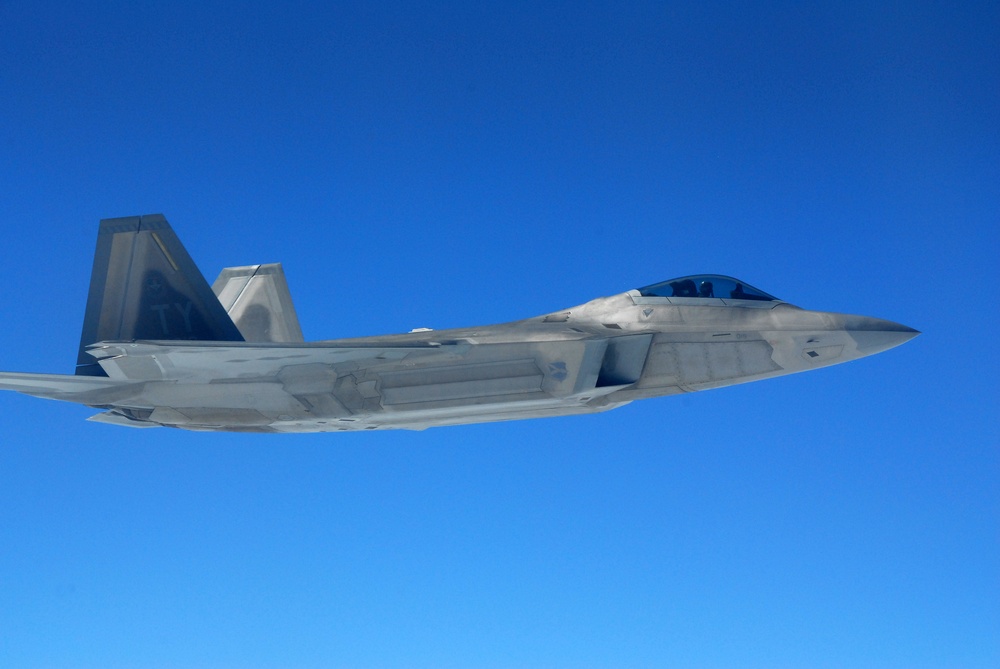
162	348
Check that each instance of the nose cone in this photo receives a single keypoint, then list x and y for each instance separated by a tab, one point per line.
874	335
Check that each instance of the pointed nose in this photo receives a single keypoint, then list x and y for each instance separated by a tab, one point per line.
874	335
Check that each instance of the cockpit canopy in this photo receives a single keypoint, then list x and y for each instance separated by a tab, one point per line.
707	286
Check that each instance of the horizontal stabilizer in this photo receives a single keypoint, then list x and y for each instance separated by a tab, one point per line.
257	299
116	418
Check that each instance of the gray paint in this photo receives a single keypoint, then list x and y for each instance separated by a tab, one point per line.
160	348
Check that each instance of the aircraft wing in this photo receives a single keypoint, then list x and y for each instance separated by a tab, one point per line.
54	386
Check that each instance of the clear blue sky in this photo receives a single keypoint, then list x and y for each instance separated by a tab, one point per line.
448	164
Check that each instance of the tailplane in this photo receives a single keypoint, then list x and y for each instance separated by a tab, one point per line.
144	285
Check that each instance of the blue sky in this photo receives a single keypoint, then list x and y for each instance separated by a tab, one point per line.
449	164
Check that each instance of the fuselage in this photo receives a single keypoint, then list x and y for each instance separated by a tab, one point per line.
590	358
161	347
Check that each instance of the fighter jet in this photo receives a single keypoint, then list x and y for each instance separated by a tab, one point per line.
161	348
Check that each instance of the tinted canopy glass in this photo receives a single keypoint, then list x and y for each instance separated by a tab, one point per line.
706	286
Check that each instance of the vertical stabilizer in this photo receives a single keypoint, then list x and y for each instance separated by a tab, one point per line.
257	298
144	285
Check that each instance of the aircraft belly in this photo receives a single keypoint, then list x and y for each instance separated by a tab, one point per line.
212	405
689	364
504	409
487	379
206	417
728	358
468	382
268	397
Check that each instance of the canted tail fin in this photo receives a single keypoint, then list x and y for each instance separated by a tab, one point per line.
144	285
257	298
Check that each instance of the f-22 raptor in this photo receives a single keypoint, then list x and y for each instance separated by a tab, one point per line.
160	347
